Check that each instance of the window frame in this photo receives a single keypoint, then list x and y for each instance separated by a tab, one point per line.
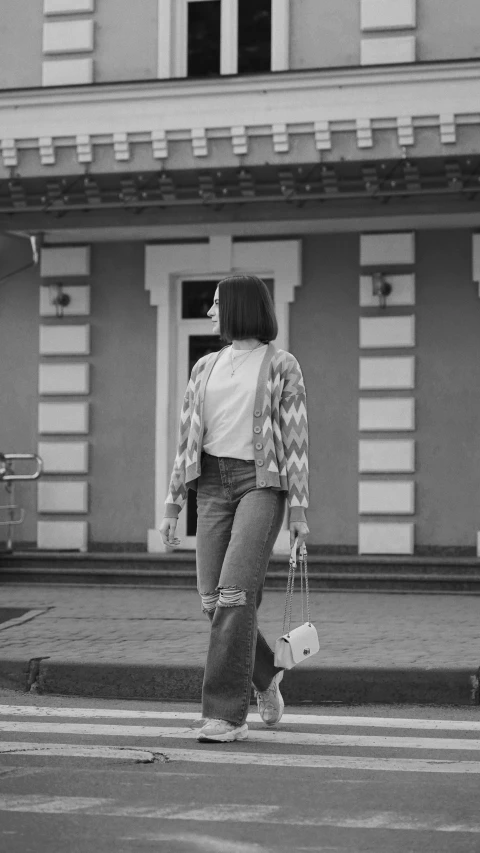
173	37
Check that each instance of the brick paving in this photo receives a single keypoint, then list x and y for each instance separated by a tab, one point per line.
148	626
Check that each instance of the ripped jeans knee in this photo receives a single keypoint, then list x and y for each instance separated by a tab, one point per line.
209	601
232	596
225	596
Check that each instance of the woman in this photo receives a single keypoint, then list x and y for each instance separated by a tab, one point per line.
243	446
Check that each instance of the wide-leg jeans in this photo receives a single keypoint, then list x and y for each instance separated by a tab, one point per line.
238	524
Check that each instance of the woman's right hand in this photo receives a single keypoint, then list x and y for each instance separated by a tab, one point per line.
167	532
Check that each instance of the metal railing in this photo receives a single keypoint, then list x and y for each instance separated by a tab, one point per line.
15	514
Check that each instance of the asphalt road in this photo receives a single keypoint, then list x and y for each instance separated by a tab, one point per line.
88	775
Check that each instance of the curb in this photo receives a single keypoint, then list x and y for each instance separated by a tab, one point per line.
330	581
180	683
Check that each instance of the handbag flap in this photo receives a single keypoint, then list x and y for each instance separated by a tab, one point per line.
303	641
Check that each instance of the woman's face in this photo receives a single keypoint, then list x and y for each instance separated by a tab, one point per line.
213	314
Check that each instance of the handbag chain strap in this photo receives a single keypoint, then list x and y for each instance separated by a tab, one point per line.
290	585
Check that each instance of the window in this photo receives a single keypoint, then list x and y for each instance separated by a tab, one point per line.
215	37
254	35
197	298
203	48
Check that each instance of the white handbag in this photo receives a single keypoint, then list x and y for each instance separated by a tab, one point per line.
302	642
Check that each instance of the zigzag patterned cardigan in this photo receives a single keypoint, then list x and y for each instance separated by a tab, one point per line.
279	424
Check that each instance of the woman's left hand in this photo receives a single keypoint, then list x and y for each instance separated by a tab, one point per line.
298	529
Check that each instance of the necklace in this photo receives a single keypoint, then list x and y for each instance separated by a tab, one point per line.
242	356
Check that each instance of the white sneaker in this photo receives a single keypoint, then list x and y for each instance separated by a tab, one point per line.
222	732
270	701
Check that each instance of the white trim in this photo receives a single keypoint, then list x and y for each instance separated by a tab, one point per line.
387	14
229	37
385	538
164	38
280	260
54	496
62	535
57	378
386	497
65	340
383	51
388	332
280	35
295	99
386	456
376	414
378	83
180	38
68	36
63	418
265	229
383	373
67	72
64	457
67	7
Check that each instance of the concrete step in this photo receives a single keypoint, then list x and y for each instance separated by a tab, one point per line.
177	569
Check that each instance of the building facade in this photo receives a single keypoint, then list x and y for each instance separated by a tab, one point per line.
331	147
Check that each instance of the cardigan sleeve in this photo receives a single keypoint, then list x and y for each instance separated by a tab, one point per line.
177	493
294	429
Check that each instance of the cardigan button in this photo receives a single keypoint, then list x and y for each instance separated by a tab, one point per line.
257	413
257	429
258	445
260	462
263	483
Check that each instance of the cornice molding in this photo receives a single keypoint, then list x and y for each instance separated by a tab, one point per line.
278	105
324	78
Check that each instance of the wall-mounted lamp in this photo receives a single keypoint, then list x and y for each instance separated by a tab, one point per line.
59	298
36	242
381	288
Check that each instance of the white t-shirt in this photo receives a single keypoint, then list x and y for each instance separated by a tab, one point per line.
229	403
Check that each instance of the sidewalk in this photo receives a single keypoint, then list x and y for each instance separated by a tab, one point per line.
151	644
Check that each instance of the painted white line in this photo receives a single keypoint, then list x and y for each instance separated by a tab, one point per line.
41	803
207	843
260	736
19	620
287	719
231	813
67	750
231	756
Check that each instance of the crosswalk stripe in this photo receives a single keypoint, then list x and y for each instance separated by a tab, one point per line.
293	719
262	736
230	812
233	756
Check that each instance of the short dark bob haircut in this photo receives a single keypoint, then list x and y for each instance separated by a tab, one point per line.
246	309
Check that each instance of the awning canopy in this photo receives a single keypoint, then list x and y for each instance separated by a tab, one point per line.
304	186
